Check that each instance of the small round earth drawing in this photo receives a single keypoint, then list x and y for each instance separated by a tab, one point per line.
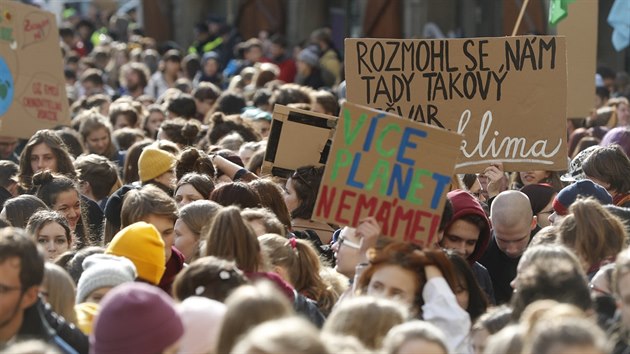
6	87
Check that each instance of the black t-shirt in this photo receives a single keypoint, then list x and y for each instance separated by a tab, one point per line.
502	271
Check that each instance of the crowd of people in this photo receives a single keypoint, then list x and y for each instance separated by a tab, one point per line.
148	226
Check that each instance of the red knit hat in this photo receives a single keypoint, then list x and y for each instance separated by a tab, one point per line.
135	318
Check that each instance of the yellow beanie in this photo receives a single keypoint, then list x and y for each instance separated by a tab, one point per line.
142	244
154	162
86	312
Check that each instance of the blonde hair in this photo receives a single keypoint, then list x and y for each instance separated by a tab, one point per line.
541	311
230	238
592	231
402	333
507	341
248	306
547	336
366	318
287	335
60	291
301	261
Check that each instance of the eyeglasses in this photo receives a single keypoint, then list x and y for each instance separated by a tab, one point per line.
342	240
5	289
547	212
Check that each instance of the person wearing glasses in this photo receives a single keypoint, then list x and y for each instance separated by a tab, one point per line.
351	244
22	312
541	196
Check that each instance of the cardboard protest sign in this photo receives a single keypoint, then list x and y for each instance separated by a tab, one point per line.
506	95
580	29
394	169
297	138
32	83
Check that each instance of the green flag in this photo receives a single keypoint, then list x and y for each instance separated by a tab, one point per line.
558	10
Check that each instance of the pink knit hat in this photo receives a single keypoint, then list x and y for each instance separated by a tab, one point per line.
202	319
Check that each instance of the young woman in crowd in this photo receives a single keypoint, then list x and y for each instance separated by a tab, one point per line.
241	246
415	337
50	229
522	179
278	336
180	131
103	272
193	187
467	291
58	290
193	217
593	233
239	194
210	277
610	167
61	194
423	281
366	318
97	135
263	221
297	262
270	195
248	306
18	210
168	73
123	114
194	160
300	194
541	196
154	120
44	151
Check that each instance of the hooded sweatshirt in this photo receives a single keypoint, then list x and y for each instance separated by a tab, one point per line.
465	203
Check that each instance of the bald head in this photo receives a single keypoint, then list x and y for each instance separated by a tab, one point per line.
511	208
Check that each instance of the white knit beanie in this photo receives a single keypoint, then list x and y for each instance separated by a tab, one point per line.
103	270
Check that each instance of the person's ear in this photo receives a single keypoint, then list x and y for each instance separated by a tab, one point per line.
534	223
30	297
85	188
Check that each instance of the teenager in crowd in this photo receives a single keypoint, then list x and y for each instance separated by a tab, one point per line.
193	217
423	281
51	230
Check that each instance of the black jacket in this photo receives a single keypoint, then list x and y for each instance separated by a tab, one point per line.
40	322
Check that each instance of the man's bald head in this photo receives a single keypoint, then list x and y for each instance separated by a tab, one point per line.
512	222
511	208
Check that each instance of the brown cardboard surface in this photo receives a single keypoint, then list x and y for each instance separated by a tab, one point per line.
506	95
394	169
297	138
32	83
580	29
